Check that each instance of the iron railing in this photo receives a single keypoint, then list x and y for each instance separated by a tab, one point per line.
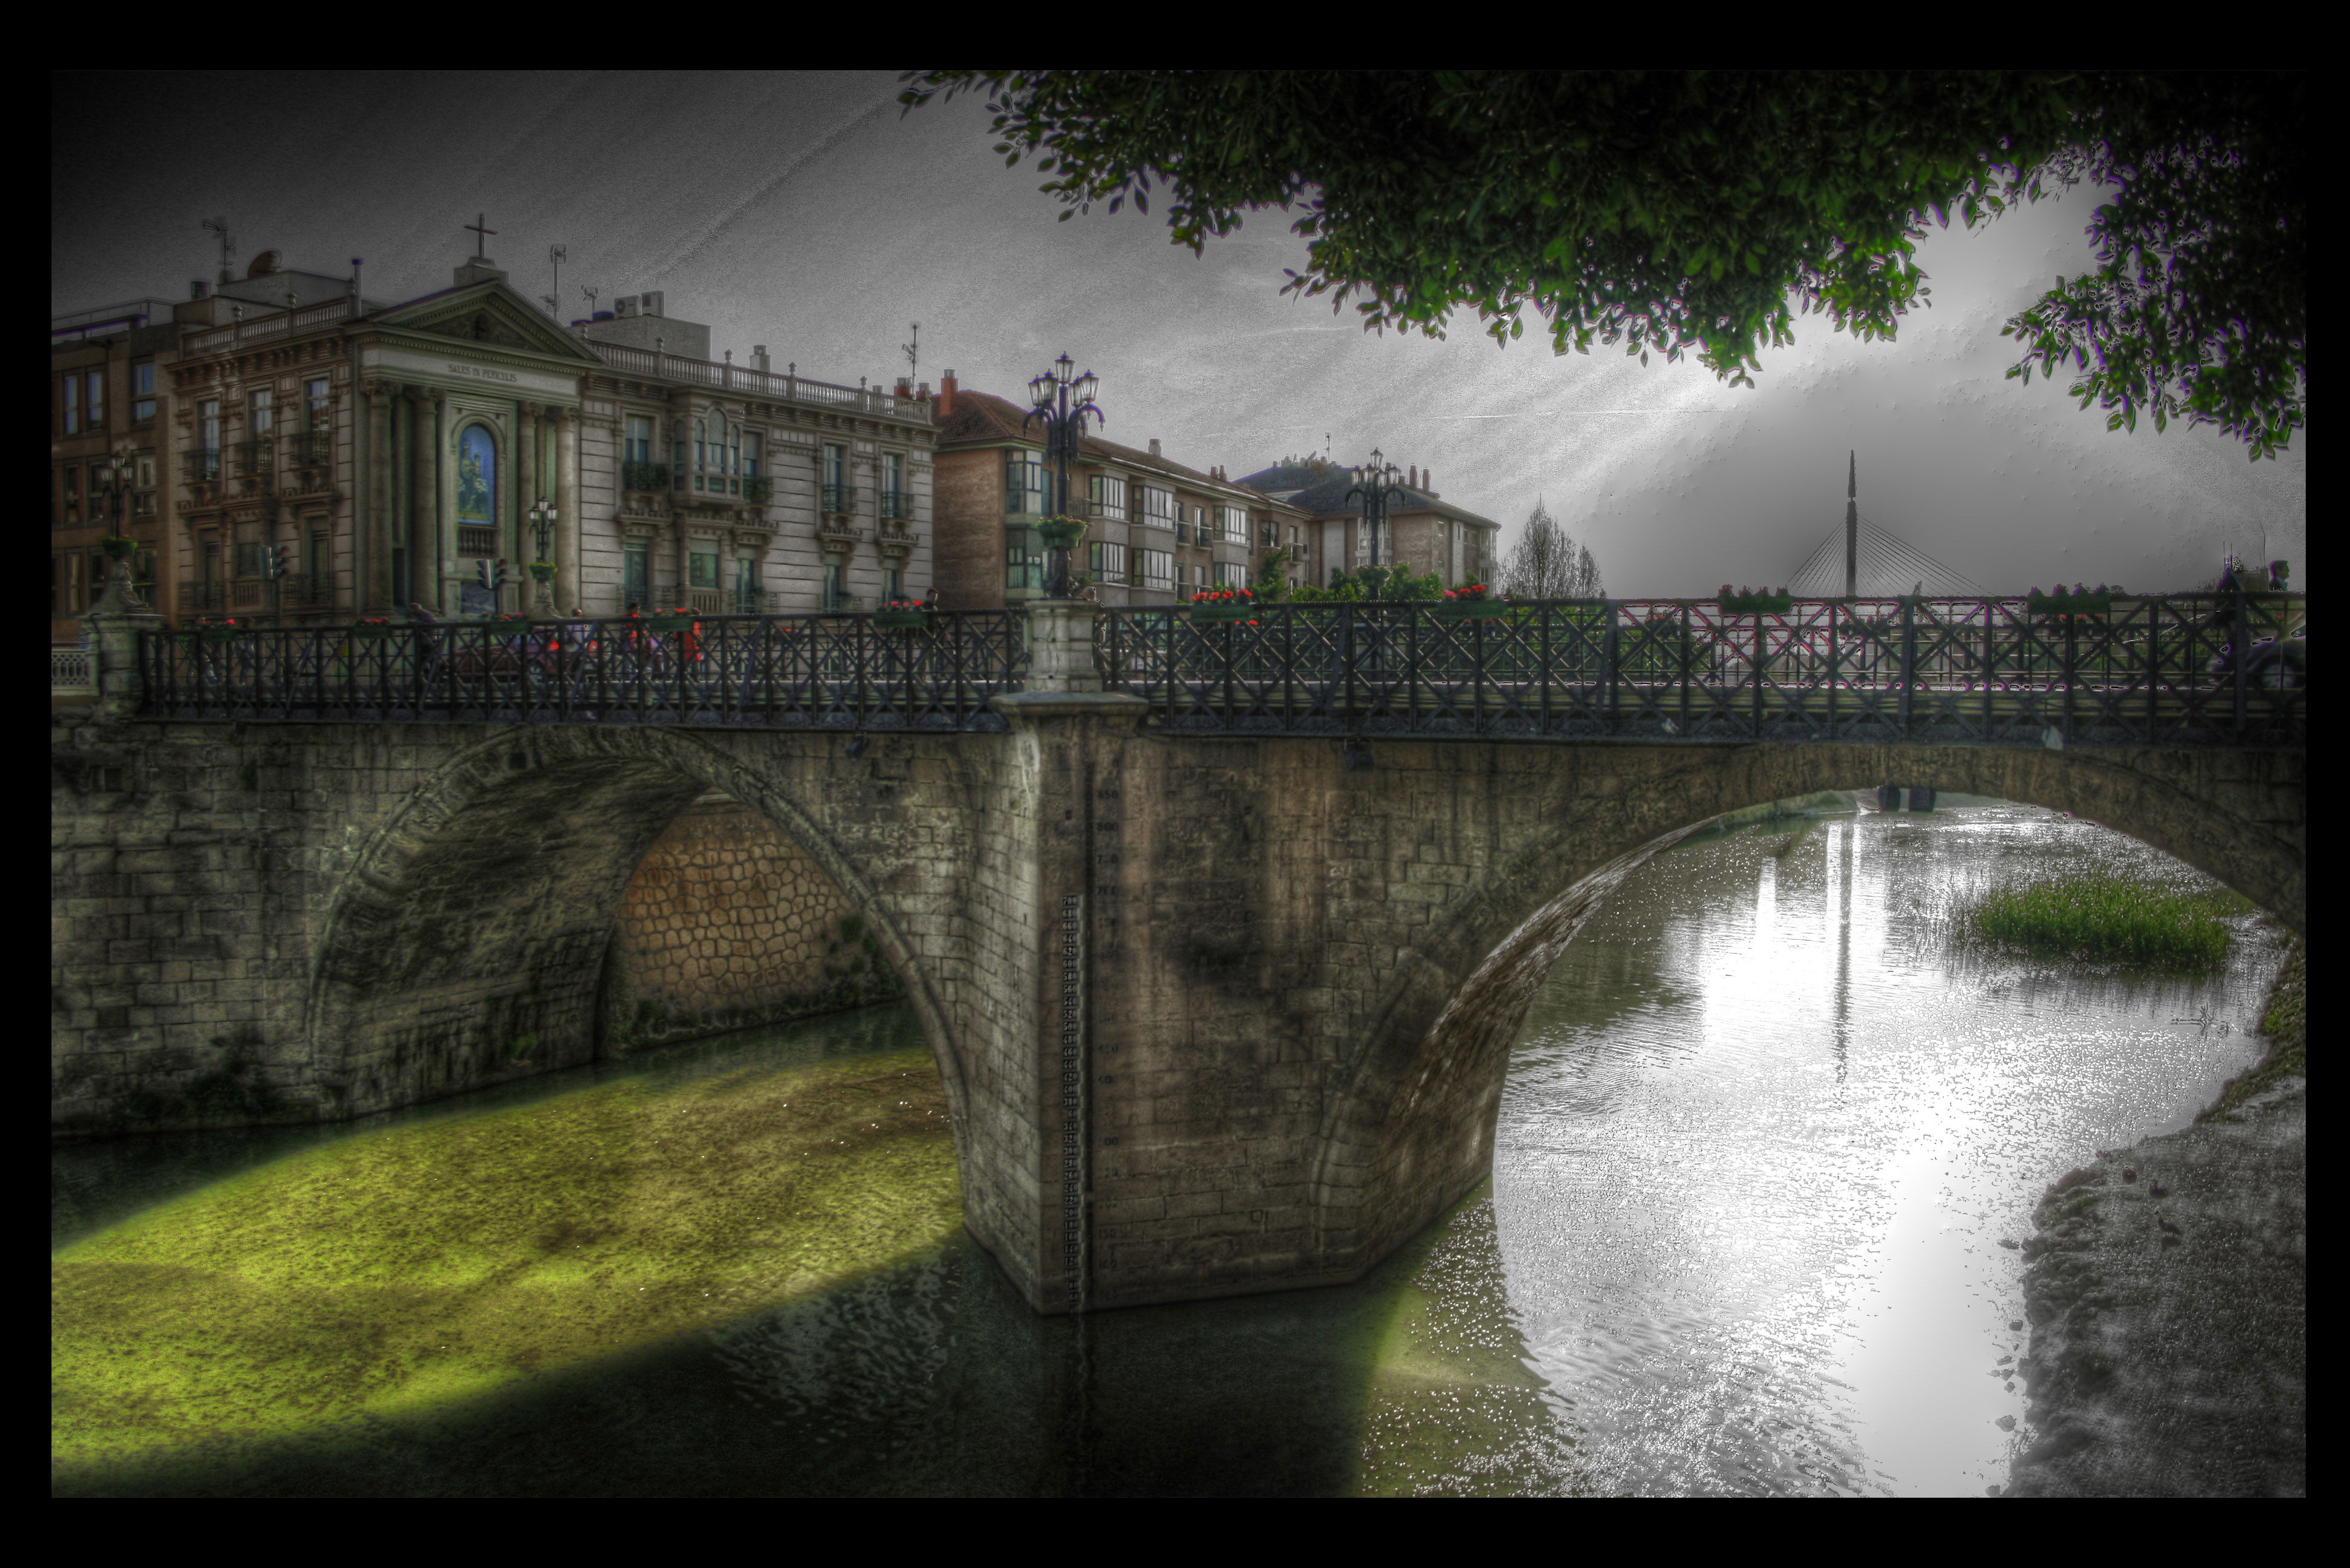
2142	671
805	672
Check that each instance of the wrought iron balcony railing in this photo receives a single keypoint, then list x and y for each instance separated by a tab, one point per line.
200	467
309	448
896	503
646	476
839	497
250	459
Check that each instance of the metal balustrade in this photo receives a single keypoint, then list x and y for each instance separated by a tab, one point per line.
807	671
1931	671
2152	671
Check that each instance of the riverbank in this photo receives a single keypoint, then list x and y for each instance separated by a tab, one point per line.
2168	1294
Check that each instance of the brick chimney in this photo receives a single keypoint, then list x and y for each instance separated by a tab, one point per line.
1154	446
1412	481
905	386
946	394
1428	485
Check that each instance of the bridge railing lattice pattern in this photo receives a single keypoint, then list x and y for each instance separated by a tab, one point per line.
804	671
2131	671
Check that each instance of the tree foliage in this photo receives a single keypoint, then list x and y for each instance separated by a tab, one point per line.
1671	211
1545	564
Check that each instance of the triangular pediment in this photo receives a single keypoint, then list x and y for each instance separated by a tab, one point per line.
492	315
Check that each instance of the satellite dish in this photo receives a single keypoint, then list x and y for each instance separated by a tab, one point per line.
263	264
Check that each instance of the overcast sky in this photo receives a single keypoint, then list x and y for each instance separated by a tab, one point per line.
801	211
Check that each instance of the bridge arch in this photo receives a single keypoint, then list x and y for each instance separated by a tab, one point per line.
481	909
1409	1125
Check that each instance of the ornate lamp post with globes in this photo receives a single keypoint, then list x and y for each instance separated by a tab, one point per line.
1378	486
542	569
1052	394
114	482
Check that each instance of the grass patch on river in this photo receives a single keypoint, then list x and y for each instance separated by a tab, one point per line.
384	1274
2102	918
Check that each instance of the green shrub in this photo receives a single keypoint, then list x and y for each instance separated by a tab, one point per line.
2104	918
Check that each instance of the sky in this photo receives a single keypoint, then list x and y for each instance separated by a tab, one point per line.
802	211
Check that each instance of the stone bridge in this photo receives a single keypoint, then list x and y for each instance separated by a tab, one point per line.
1214	1014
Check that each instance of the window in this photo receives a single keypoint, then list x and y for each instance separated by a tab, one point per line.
1027	484
701	566
640	440
1158	569
248	550
1108	562
314	396
717	454
1109	493
208	424
893	484
836	593
71	487
839	495
258	415
751	455
1158	507
316	568
1231	574
1363	544
142	392
93	401
1024	559
71	393
748	597
637	573
1235	521
893	584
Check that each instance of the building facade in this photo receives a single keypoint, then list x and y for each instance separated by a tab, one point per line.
1424	533
1157	531
107	472
315	456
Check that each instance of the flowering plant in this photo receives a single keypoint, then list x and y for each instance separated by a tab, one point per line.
1243	597
1474	592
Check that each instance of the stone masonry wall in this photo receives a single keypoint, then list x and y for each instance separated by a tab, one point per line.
728	924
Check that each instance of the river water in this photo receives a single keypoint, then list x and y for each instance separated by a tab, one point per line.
1764	1133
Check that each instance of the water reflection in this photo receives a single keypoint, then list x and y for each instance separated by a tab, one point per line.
1752	1228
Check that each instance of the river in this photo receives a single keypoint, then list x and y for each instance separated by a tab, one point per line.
1764	1130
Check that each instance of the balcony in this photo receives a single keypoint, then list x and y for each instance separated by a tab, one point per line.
896	503
839	498
757	488
1111	511
309	448
200	467
203	598
750	601
896	536
834	528
646	477
1183	533
477	539
250	459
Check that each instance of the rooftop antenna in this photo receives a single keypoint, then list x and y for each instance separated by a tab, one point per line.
590	293
556	253
1852	527
912	349
227	244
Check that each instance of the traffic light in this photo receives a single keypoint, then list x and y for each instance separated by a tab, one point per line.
278	565
491	574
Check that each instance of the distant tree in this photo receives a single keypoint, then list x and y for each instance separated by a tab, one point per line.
1672	209
1545	564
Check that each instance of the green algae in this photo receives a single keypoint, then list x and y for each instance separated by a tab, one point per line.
390	1274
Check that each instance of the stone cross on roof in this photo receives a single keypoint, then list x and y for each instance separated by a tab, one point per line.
476	227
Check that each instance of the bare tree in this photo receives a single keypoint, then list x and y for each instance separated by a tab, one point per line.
1544	564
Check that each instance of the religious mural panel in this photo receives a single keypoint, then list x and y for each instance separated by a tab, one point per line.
477	475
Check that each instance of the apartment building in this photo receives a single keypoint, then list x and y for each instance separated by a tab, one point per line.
1424	533
105	427
389	455
1158	531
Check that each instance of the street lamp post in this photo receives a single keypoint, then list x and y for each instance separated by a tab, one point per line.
542	569
1378	486
1050	395
114	482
